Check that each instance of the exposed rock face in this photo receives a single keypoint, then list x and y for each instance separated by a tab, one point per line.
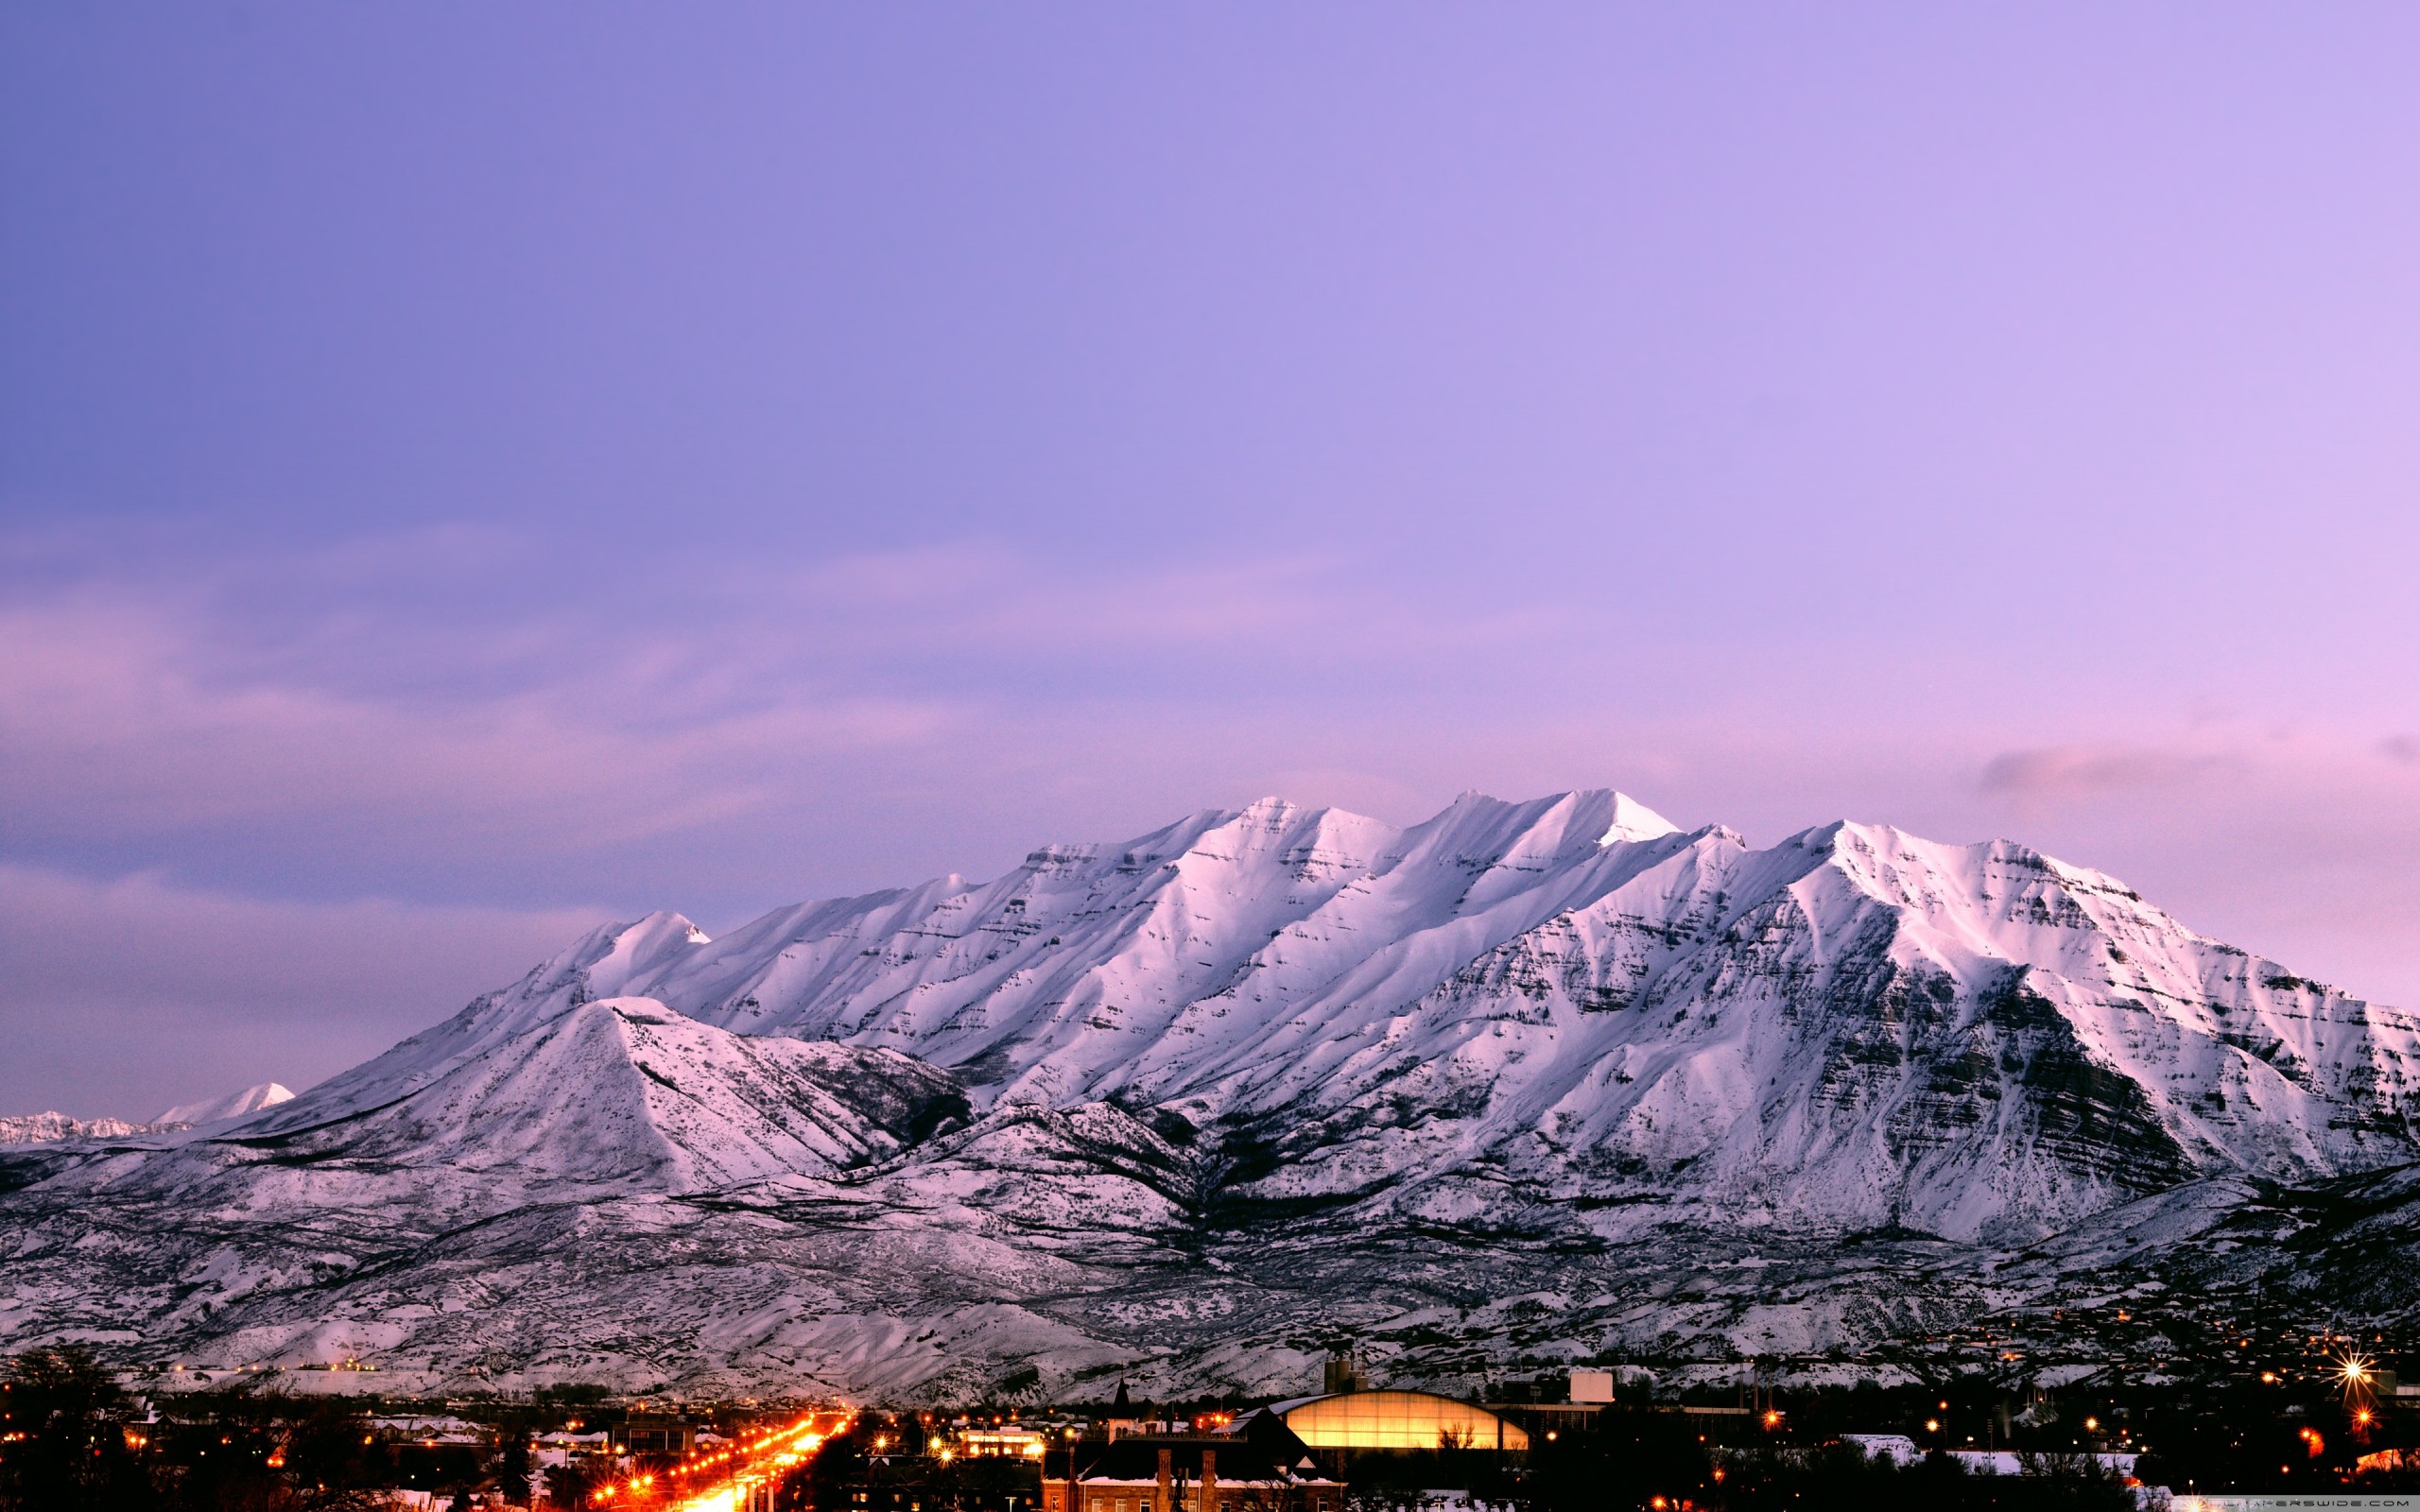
1252	1077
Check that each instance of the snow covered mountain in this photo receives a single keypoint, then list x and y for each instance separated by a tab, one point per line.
1237	1084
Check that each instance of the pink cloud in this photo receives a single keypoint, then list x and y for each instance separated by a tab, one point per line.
2068	772
125	716
127	994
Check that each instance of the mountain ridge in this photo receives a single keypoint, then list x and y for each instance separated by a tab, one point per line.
1560	1025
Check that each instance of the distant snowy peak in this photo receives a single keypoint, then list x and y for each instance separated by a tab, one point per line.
235	1104
45	1127
42	1129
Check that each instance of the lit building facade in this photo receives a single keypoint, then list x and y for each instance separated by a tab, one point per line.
1398	1420
999	1443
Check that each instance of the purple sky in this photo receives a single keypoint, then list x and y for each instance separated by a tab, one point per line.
469	471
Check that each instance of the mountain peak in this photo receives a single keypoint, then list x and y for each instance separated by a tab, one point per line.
235	1104
1633	821
646	946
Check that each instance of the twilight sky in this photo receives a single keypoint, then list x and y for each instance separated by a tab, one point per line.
468	471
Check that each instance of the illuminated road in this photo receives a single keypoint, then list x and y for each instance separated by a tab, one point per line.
734	1477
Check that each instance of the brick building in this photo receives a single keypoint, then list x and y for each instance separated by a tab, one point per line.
657	1435
1182	1475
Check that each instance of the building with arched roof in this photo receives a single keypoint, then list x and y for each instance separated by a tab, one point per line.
1397	1419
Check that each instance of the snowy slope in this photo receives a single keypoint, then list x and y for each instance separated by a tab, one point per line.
615	1096
1222	1088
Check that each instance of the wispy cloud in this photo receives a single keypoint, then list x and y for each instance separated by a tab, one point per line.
398	701
2070	771
118	715
128	994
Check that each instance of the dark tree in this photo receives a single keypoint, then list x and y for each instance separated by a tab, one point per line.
63	1425
514	1469
570	1486
243	1451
